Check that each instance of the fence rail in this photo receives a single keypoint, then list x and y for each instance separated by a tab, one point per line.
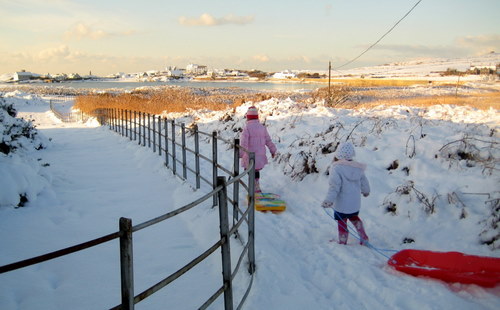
162	136
68	116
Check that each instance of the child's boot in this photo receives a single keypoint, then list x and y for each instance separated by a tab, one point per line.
343	233
257	186
358	224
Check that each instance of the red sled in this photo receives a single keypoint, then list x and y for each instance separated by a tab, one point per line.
450	267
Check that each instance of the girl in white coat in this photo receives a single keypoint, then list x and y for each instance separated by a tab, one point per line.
347	182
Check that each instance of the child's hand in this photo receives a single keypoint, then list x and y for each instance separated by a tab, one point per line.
327	204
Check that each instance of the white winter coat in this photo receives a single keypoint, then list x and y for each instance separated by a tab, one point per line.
347	182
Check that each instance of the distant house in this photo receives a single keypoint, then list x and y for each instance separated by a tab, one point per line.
23	76
174	72
196	69
287	74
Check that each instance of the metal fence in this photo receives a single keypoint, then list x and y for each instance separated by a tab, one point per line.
162	136
57	106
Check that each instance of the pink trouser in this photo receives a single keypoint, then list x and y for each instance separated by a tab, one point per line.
344	233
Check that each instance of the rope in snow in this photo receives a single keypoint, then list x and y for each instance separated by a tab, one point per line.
356	235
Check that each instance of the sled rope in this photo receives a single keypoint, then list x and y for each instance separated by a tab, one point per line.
356	235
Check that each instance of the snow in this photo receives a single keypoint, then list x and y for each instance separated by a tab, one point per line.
92	177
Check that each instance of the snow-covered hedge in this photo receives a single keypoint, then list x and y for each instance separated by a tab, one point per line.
20	179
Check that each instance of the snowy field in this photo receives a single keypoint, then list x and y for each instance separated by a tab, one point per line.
435	186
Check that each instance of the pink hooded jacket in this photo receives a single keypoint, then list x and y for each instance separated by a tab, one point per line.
255	138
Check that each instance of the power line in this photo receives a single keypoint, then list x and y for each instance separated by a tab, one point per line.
371	46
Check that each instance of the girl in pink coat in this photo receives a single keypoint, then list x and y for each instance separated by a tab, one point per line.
255	138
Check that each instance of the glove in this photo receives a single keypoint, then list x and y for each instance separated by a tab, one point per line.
327	204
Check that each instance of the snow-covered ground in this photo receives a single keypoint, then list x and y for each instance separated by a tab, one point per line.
435	186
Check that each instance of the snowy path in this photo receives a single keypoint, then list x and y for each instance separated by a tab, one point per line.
97	177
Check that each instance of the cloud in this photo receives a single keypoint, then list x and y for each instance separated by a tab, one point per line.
261	58
55	53
81	31
208	20
480	42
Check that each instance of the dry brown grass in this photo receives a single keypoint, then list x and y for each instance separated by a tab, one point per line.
358	82
341	96
475	100
170	100
156	102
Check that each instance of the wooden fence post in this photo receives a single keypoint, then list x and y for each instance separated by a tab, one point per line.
135	125
159	136
126	123
214	165
236	185
197	156
140	113
131	122
165	128
144	129
174	157
154	133
184	166
225	248
251	215
127	264
122	125
149	130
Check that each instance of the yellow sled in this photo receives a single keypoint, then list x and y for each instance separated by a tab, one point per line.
269	202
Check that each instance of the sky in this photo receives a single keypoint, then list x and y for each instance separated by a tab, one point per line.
106	37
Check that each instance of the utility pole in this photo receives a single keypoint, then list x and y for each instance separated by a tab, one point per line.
329	78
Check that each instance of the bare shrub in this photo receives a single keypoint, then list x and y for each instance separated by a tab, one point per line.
473	151
491	232
336	96
411	193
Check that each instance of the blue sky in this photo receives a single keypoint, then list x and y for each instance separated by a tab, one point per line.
109	36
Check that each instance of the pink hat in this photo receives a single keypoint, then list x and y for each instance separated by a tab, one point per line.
252	113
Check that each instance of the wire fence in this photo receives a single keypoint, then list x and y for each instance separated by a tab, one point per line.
61	107
173	142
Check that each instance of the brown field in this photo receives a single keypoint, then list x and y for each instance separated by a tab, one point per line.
173	99
475	100
370	82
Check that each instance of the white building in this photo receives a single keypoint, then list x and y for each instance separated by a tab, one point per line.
174	72
22	76
287	74
196	69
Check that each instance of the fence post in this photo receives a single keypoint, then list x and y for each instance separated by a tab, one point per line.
225	248
184	168
236	185
214	164
174	158
144	129
122	125
154	133
159	135
126	263
126	123
140	113
135	125
165	128
131	123
149	130
251	215
197	155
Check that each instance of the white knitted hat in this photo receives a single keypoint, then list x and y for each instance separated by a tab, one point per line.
345	151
